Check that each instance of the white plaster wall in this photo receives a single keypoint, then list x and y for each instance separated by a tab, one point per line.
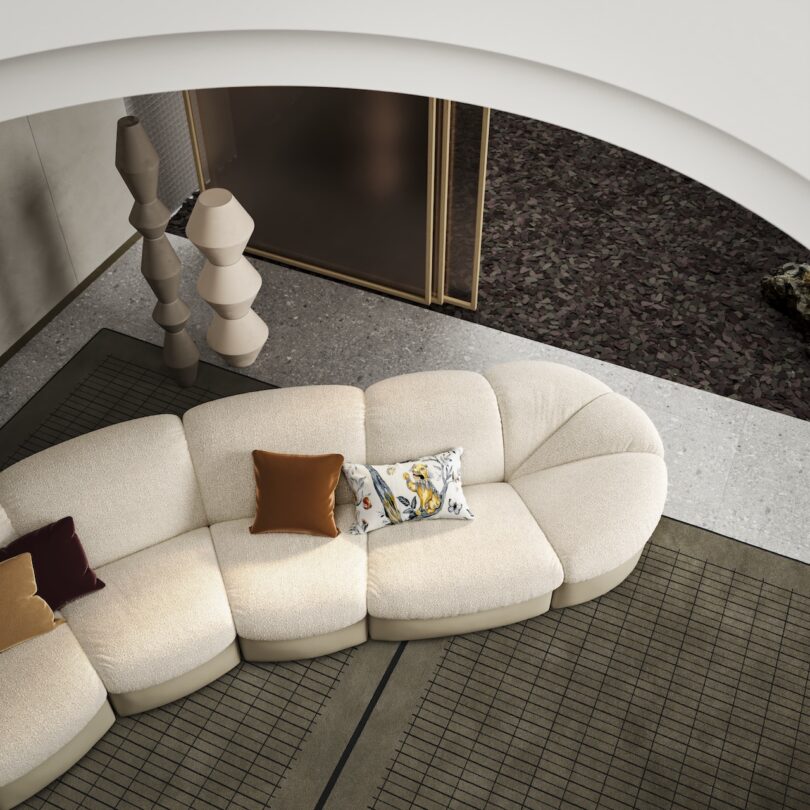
718	90
63	208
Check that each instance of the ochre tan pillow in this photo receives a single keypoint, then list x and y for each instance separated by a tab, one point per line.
296	493
24	615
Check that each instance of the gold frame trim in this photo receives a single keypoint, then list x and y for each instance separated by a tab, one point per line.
427	297
444	196
472	304
479	218
195	144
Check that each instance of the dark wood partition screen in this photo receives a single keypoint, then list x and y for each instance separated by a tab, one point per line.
352	184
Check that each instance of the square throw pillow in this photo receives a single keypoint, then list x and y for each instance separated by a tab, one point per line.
428	487
24	614
296	493
60	564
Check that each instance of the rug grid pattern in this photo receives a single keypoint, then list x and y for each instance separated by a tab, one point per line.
684	687
228	745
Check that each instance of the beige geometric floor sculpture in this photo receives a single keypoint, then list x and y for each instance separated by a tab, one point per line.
220	228
138	164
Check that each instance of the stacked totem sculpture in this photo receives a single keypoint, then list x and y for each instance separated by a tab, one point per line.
138	164
220	228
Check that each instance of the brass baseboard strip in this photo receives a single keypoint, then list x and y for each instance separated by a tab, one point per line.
73	294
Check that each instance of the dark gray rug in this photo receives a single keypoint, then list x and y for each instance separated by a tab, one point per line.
686	686
595	249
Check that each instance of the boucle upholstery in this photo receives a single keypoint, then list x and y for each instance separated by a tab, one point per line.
291	586
608	424
222	434
7	533
428	569
127	487
50	692
420	414
163	613
597	512
535	399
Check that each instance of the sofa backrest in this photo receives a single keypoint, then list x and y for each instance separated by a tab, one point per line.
7	533
553	415
128	486
222	435
419	414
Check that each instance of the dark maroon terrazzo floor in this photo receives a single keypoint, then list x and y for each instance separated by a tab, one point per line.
596	250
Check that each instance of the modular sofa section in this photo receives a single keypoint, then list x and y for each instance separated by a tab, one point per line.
132	491
437	577
588	464
161	620
53	710
291	595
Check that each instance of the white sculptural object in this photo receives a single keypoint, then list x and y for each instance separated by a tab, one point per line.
220	229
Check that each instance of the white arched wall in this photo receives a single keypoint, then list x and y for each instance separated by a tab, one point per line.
718	91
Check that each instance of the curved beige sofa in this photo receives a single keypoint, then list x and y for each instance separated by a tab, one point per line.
565	477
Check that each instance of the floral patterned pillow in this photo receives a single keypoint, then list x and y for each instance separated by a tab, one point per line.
428	487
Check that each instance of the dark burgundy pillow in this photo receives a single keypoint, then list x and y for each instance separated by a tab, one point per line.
60	564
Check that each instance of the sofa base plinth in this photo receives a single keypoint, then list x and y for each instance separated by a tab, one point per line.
575	593
24	787
141	700
294	649
414	629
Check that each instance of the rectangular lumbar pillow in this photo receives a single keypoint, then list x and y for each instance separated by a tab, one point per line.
428	487
296	493
60	564
23	614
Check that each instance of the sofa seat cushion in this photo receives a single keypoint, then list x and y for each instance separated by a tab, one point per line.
599	512
163	613
50	692
292	586
436	569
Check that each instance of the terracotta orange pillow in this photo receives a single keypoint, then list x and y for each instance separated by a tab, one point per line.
296	493
24	615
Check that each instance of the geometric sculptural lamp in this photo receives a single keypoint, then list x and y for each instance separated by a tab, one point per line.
221	228
138	163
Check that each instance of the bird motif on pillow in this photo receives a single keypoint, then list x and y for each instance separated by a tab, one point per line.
386	496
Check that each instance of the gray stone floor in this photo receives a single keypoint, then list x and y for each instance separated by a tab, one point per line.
735	469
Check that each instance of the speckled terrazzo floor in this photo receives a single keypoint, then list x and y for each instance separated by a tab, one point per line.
596	250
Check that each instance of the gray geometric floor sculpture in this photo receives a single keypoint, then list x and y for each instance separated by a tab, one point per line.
138	163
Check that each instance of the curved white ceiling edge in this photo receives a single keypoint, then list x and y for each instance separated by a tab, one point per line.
51	79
